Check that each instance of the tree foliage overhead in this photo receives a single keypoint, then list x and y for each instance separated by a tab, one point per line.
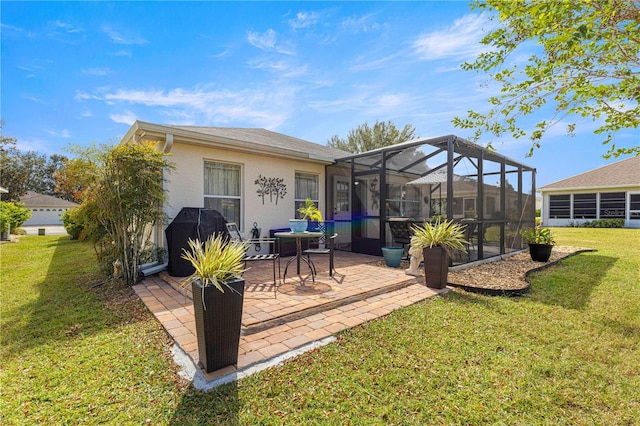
365	138
589	67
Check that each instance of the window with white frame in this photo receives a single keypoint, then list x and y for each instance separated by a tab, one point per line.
634	206
584	206
612	205
223	189
560	206
307	186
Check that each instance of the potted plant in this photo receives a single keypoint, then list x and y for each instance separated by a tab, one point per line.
540	241
392	256
307	212
218	292
438	240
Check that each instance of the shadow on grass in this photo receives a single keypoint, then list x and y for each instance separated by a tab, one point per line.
220	406
570	283
59	307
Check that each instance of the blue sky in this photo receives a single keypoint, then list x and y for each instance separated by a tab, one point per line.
82	72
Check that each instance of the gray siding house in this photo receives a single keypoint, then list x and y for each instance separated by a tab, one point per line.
608	192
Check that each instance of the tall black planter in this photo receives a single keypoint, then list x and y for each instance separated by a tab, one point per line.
218	323
540	252
436	266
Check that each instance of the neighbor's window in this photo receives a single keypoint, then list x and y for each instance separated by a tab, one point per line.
584	206
612	205
222	189
306	187
634	206
559	206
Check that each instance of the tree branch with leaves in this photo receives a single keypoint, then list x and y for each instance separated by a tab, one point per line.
588	68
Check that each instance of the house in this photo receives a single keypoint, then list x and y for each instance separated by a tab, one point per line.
608	192
258	179
251	176
46	210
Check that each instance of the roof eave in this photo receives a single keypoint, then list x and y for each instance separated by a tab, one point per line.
587	188
156	133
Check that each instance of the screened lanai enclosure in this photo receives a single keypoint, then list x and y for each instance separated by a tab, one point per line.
375	197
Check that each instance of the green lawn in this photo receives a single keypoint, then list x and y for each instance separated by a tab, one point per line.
567	353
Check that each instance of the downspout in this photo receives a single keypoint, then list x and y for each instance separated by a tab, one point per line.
159	231
168	144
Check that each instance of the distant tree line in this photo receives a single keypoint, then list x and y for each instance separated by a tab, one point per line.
57	175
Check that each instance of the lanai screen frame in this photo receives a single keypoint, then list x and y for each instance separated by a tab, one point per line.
503	189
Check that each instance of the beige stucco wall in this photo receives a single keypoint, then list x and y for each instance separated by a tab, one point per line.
186	184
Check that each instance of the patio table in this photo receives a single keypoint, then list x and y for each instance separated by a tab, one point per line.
298	237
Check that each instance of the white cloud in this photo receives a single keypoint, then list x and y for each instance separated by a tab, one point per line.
33	99
264	41
127	117
86	114
364	23
304	20
64	133
68	28
376	63
459	41
267	42
283	68
35	144
122	38
82	96
267	106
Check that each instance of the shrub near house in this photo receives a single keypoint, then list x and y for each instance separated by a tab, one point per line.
12	215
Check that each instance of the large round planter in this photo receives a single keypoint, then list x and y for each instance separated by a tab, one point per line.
540	252
436	266
392	256
298	225
218	318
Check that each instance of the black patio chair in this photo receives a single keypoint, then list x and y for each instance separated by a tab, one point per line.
273	256
323	250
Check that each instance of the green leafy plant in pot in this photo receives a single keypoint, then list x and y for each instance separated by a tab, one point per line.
540	241
218	293
307	212
438	240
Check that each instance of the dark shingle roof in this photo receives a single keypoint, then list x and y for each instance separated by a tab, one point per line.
621	173
34	199
268	138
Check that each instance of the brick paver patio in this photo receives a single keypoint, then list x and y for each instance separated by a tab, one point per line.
275	323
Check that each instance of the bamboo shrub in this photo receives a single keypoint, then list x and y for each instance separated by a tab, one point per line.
130	195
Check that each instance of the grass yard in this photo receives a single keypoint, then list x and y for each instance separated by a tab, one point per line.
567	353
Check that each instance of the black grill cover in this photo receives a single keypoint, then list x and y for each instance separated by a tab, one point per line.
191	222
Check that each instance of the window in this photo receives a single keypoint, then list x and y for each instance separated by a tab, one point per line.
306	187
222	189
342	196
559	206
634	206
612	205
584	206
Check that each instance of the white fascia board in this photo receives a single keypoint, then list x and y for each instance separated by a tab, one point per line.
588	188
155	132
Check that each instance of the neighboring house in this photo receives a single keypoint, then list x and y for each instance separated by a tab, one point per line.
45	209
608	192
